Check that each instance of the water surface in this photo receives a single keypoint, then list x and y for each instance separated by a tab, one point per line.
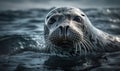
24	28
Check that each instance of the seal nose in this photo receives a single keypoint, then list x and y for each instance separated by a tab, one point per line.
64	29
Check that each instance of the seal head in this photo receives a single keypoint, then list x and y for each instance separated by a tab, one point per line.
65	26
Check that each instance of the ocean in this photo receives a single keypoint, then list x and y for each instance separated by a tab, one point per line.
25	28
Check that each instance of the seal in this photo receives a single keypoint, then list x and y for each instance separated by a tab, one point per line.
67	30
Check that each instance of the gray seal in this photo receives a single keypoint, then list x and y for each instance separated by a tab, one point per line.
67	30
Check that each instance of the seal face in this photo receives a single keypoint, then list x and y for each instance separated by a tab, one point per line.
65	26
68	29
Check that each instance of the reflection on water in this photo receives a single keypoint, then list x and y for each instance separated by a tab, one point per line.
24	28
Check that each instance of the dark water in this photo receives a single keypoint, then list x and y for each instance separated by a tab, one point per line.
24	28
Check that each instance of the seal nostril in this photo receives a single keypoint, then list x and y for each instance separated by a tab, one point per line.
67	28
61	28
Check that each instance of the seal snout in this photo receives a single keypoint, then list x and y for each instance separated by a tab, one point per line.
64	30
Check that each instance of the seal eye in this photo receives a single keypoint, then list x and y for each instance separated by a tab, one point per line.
77	19
51	21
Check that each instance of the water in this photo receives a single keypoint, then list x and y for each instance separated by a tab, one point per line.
24	28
